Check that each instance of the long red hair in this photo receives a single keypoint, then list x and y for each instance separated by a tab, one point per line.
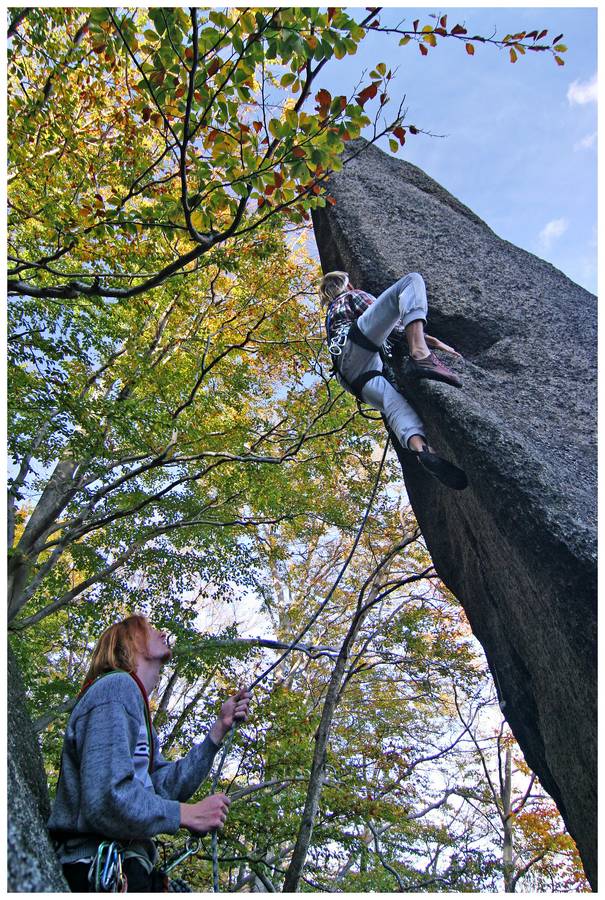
117	647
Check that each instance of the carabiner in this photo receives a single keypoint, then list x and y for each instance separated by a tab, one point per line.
192	846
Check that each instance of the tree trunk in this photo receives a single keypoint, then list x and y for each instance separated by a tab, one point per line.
507	820
305	832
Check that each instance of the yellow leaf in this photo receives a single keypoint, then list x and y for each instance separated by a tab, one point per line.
405	40
427	28
430	39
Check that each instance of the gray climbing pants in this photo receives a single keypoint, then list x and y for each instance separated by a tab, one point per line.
404	302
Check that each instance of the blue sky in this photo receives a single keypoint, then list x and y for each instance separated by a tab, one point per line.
520	143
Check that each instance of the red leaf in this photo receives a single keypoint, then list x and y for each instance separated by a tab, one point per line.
557	39
458	29
399	133
214	66
423	49
469	49
323	97
257	126
440	31
413	129
331	200
443	21
331	11
279	179
146	114
416	24
367	93
543	34
316	189
299	153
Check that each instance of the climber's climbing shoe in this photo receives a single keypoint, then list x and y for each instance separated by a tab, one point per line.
447	473
430	367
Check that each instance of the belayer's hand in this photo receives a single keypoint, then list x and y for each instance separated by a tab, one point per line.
235	709
206	815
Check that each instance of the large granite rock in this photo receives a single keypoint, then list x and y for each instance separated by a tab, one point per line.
518	547
32	864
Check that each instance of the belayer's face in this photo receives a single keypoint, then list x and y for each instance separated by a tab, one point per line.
157	645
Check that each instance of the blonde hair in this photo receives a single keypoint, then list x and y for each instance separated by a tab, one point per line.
117	647
331	285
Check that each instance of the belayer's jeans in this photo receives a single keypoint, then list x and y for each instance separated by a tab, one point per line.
404	302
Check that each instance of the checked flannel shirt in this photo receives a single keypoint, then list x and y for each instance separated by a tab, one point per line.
346	309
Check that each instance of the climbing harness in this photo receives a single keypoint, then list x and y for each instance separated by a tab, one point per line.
106	871
287	651
353	333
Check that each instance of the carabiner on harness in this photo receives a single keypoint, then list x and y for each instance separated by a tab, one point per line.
338	341
106	872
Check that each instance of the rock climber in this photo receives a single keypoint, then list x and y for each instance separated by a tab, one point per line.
358	325
114	784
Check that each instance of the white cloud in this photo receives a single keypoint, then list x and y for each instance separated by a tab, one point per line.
551	231
583	91
586	142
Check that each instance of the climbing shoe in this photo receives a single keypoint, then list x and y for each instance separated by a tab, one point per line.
430	367
447	473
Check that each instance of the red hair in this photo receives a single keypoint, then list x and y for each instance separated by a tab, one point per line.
117	647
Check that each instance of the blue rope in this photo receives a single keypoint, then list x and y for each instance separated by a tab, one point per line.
287	651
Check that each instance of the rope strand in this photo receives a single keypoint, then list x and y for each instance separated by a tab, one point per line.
287	651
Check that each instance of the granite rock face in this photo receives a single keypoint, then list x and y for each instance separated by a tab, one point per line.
32	864
518	546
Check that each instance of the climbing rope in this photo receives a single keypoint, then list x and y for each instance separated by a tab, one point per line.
287	651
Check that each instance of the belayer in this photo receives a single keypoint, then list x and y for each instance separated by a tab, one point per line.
116	791
357	326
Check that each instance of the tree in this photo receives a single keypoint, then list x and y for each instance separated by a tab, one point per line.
169	133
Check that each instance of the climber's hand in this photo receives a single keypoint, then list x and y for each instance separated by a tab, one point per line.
436	344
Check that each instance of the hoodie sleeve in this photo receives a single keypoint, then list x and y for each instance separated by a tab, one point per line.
113	800
179	780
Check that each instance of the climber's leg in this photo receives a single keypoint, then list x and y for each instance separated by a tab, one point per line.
403	420
408	428
404	302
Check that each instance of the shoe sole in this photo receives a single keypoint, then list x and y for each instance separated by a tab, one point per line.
445	472
433	376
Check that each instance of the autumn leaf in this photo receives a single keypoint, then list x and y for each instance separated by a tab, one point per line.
469	49
399	133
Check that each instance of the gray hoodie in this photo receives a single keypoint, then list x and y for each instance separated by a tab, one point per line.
105	788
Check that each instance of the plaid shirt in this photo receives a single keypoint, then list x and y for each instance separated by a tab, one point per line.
346	309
